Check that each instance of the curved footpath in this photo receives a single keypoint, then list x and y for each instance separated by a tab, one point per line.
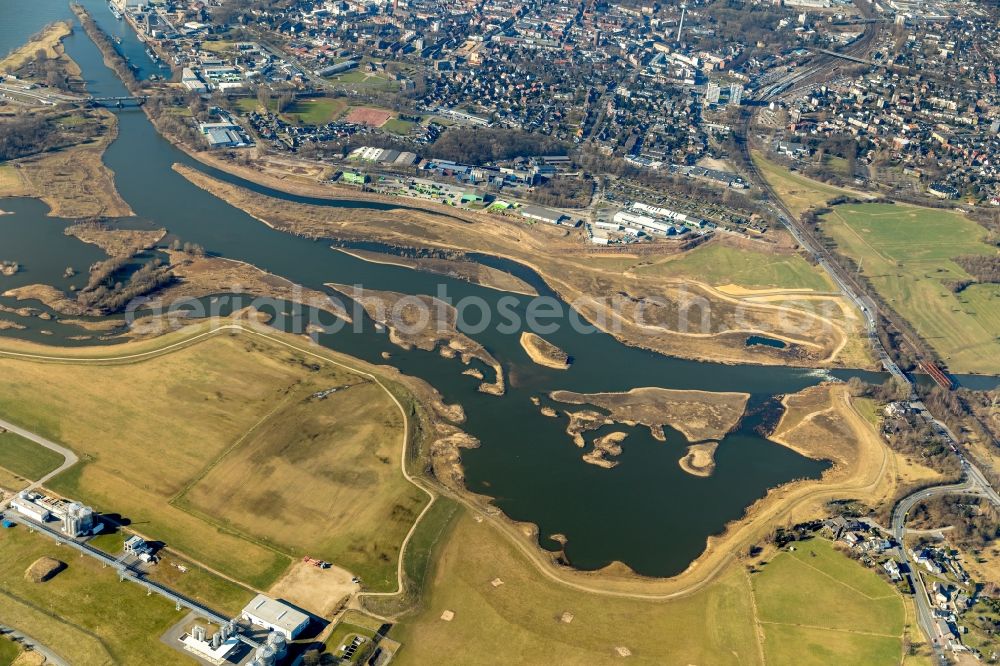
699	575
72	459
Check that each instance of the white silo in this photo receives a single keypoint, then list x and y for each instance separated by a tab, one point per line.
198	632
278	643
265	655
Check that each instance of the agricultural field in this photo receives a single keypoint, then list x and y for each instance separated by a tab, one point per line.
816	606
84	613
717	264
906	252
26	459
218	410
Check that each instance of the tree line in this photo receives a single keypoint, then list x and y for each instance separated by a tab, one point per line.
486	144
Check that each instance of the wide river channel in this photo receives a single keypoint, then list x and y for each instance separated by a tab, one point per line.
646	512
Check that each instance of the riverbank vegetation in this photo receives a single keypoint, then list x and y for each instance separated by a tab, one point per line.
426	323
55	152
451	264
645	310
43	59
698	415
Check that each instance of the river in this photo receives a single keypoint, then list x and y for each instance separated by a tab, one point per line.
646	512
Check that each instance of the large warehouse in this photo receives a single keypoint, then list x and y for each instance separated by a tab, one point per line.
266	612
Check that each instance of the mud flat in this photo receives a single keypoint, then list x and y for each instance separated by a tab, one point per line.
698	415
116	242
543	352
700	459
469	271
583	421
606	446
426	323
49	296
9	268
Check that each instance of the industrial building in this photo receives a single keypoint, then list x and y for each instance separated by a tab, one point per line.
276	615
137	546
215	648
77	520
542	214
648	224
222	135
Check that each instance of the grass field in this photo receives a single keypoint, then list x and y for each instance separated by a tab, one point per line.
11	184
25	458
397	126
335	460
798	609
316	111
84	614
358	80
520	620
227	426
816	606
718	264
8	652
906	252
796	191
313	111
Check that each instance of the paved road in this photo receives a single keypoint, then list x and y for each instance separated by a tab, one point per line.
925	614
70	457
975	481
30	643
41	95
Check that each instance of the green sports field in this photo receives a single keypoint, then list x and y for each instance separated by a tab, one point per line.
906	252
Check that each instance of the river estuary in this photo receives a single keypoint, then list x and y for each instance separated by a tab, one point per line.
646	512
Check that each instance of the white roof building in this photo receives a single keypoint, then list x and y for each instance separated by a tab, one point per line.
270	613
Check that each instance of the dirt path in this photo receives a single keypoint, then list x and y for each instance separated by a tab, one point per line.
248	330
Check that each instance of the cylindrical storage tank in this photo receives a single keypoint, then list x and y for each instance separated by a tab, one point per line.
277	640
265	655
198	633
216	640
